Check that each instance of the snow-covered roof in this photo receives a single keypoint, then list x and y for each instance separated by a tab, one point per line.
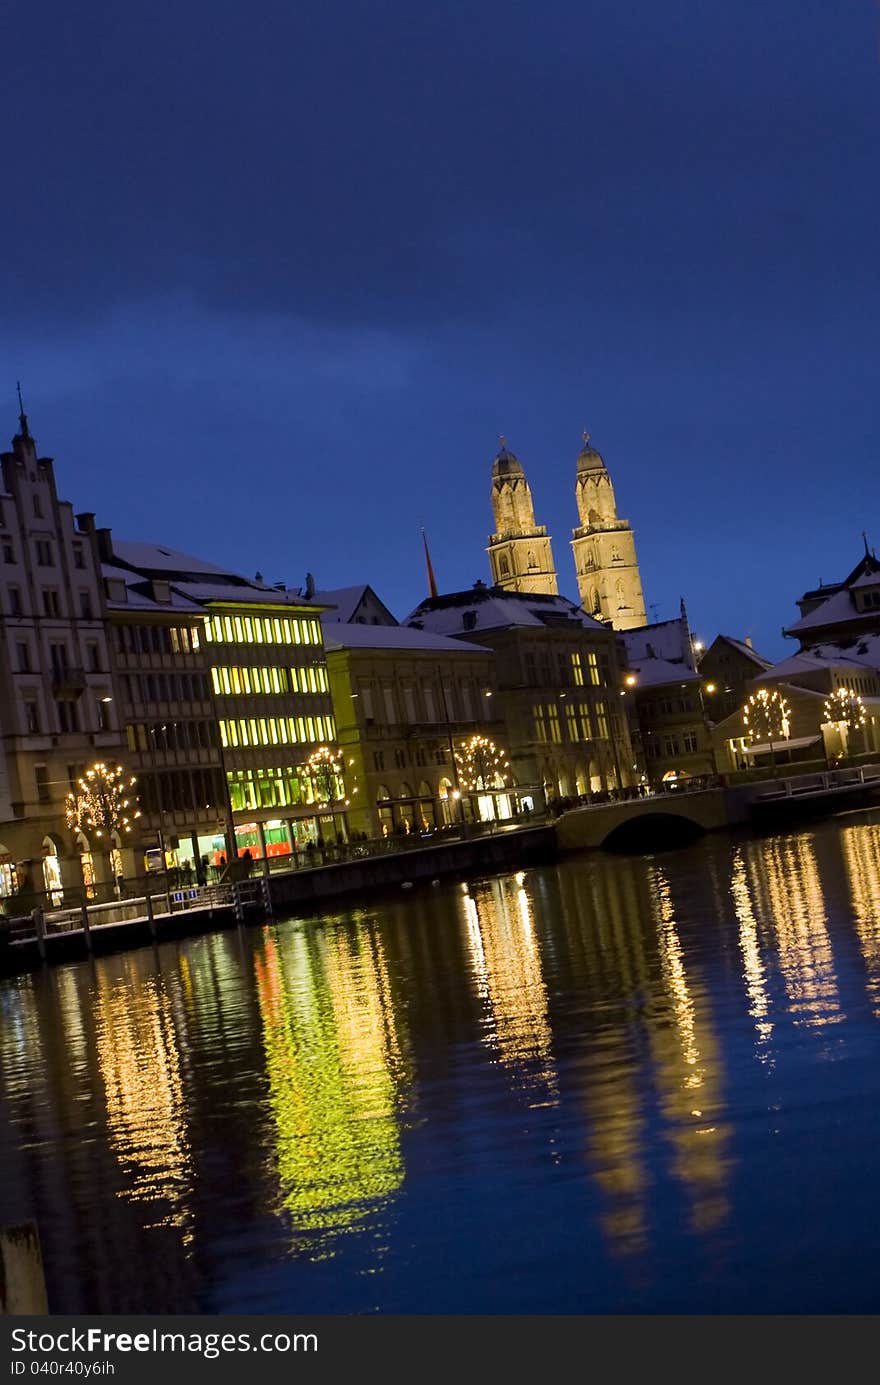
838	609
138	599
244	594
491	608
402	638
153	557
667	640
868	579
654	672
860	653
346	601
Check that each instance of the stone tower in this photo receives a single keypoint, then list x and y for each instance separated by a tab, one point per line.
605	548
519	551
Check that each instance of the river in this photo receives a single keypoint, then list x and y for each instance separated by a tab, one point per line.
620	1084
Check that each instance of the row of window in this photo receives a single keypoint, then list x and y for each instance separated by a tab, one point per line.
283	788
157	639
172	735
181	791
263	630
248	731
542	670
582	723
410	703
68	716
44	553
50	604
58	657
671	745
262	679
144	688
667	706
412	755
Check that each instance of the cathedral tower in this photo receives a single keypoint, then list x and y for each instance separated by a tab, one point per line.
519	551
605	548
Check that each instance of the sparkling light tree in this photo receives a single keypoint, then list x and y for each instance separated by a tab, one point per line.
845	709
767	719
482	766
324	770
104	805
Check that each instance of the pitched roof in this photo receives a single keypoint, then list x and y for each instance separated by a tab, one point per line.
344	602
403	638
747	650
493	608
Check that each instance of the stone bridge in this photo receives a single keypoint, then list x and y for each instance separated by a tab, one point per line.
661	819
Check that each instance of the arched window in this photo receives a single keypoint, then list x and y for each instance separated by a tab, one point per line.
503	566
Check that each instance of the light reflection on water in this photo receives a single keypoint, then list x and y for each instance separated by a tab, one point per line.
610	1085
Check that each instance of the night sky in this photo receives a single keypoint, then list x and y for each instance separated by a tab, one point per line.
274	278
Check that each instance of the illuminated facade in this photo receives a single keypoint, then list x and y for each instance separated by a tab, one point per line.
55	680
604	548
520	552
405	702
561	689
265	676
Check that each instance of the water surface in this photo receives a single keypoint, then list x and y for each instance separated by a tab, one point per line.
620	1084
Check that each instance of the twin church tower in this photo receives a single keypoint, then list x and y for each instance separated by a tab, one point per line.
604	546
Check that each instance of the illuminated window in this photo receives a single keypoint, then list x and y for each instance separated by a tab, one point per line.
586	727
594	667
577	671
555	730
602	720
215	678
540	724
571	718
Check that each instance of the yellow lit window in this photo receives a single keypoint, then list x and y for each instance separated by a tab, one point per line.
593	662
224	733
264	732
273	730
301	728
239	629
602	720
577	671
586	727
215	677
310	724
553	715
572	721
296	631
225	680
194	640
217	626
235	675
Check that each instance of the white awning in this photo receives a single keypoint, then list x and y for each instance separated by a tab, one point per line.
795	744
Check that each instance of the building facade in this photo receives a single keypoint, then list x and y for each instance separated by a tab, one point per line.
414	712
674	736
560	683
59	714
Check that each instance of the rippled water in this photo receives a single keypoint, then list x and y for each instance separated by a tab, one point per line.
644	1084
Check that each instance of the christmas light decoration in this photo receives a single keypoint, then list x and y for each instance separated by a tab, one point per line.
324	772
845	708
104	802
481	765
766	717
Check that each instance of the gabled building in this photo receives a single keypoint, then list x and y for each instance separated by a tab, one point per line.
673	729
56	685
728	669
560	684
843	610
352	606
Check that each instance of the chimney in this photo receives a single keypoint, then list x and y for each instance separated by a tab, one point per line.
749	641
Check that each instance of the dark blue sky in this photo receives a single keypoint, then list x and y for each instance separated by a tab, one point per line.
275	276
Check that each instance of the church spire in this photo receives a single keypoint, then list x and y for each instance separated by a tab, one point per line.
604	548
22	416
432	584
520	552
